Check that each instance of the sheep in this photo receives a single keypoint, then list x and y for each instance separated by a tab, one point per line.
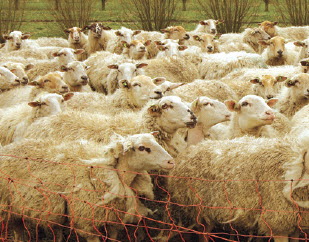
115	44
291	33
77	40
300	122
52	82
112	168
206	42
48	41
154	36
169	48
8	80
266	86
19	70
107	82
246	41
305	65
304	49
16	119
212	89
207	26
176	33
132	95
247	183
98	37
276	54
63	57
75	76
165	115
254	116
136	50
14	40
218	65
174	69
294	95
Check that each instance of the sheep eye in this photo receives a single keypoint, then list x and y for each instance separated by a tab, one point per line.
141	148
165	106
148	150
46	80
244	104
206	104
136	84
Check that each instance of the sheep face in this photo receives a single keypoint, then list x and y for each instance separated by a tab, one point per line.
136	50
170	48
269	27
52	82
209	26
75	74
267	86
19	70
207	42
304	47
96	29
14	39
8	80
209	111
305	66
141	89
259	34
167	87
172	114
74	34
176	33
276	47
126	34
299	86
252	111
146	154
50	104
67	55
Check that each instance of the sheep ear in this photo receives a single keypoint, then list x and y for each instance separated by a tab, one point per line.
68	96
125	84
219	21
25	36
147	43
195	105
290	83
79	51
161	47
255	81
118	33
304	63
175	85
35	104
2	45
281	78
159	80
28	67
182	47
203	23
164	30
272	102
67	31
107	28
275	23
137	32
141	65
197	38
263	42
5	36
159	43
154	111
125	44
231	105
64	68
155	133
34	83
55	54
113	67
300	43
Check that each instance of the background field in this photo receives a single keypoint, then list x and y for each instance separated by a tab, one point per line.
40	22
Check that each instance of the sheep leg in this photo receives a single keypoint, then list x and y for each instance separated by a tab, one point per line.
59	235
93	239
282	239
18	231
208	229
295	236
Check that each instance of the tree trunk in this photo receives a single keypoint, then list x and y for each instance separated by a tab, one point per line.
184	5
16	4
56	4
103	4
266	5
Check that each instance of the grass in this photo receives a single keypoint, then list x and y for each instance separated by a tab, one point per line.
38	15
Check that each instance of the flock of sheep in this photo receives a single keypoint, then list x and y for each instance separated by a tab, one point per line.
88	125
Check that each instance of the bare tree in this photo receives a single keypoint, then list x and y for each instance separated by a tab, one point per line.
184	5
11	17
293	12
150	14
72	12
266	5
103	4
234	12
56	4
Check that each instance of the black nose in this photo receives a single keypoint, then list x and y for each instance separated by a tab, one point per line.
269	37
209	47
85	78
25	80
159	93
269	96
142	47
18	44
280	52
213	31
65	87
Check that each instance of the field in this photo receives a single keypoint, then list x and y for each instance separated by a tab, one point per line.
40	22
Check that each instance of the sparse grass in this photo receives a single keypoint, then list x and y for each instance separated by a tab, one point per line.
115	17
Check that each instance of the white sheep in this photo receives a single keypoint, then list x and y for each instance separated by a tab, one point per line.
112	168
19	70
300	122
166	115
303	49
52	41
63	57
169	48
52	82
132	95
77	40
291	33
176	33
207	26
294	95
212	89
245	184
136	50
218	65
75	76
305	65
8	80
14	41
15	120
206	42
245	41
